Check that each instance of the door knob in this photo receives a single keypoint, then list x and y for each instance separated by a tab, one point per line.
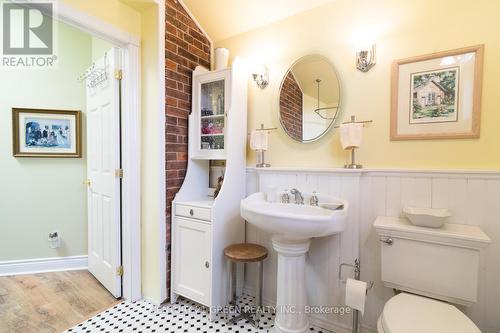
207	265
87	182
191	212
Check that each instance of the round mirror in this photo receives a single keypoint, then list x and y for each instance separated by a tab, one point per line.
309	98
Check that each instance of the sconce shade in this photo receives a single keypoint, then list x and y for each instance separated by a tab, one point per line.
261	76
365	59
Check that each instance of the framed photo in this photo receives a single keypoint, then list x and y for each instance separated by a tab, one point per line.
437	96
46	133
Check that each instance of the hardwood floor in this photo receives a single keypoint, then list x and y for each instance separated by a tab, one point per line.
50	302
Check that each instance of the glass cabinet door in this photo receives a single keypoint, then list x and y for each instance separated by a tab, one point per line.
212	115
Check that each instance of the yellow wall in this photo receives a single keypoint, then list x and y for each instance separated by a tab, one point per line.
401	29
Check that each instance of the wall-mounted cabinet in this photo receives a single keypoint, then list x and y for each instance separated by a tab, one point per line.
211	103
201	225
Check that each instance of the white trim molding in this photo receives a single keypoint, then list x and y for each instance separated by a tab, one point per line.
42	265
131	163
448	173
93	25
162	154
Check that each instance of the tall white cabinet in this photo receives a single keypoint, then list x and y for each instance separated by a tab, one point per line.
202	226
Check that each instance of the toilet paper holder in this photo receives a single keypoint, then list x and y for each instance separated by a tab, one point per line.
357	273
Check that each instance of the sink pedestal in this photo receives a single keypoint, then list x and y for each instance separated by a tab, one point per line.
293	226
291	297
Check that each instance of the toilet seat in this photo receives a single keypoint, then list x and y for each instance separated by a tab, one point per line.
407	313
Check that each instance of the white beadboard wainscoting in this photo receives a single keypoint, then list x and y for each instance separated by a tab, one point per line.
473	197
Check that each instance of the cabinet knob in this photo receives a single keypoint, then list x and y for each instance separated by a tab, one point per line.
388	241
191	212
207	264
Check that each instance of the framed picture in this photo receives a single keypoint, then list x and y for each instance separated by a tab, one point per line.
46	133
437	96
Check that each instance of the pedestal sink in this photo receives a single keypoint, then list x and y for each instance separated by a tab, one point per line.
292	227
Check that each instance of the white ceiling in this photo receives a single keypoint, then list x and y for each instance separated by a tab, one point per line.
222	19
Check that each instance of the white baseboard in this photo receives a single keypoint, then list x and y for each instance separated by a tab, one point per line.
42	265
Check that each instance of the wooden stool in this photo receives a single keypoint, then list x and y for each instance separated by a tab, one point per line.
246	253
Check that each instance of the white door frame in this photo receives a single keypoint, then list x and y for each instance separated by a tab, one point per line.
162	153
131	139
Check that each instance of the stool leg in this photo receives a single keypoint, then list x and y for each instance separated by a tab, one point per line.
258	294
233	283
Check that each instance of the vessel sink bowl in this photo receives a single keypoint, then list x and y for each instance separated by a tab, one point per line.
427	217
296	221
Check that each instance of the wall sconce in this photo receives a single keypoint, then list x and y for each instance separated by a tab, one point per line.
365	59
261	76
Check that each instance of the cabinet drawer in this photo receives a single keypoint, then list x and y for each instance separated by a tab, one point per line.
193	212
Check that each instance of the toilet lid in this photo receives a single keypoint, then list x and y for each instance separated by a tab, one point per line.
406	313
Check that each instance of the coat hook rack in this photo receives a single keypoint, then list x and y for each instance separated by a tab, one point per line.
94	76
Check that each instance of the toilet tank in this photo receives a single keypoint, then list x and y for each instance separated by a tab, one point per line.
441	263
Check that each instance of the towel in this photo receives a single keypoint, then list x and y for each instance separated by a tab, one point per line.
351	135
258	140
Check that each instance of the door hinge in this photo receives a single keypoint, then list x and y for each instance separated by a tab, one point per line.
118	74
119	270
119	173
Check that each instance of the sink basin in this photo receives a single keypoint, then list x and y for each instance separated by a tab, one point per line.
292	227
295	221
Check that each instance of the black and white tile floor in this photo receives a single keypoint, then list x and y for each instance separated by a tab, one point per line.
183	316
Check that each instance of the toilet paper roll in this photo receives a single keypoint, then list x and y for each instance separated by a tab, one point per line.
355	294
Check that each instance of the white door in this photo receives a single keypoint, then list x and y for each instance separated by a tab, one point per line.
103	163
191	259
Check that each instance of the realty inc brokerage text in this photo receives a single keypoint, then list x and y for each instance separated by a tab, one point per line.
289	309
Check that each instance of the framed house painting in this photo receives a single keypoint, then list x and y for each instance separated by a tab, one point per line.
437	96
46	133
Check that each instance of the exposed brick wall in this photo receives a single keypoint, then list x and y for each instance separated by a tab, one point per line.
291	107
185	48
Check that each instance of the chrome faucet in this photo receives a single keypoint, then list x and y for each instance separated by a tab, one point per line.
299	199
314	200
285	198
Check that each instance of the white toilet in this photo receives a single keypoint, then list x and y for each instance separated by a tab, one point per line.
432	268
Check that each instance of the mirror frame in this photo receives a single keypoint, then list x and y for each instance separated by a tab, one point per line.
278	94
